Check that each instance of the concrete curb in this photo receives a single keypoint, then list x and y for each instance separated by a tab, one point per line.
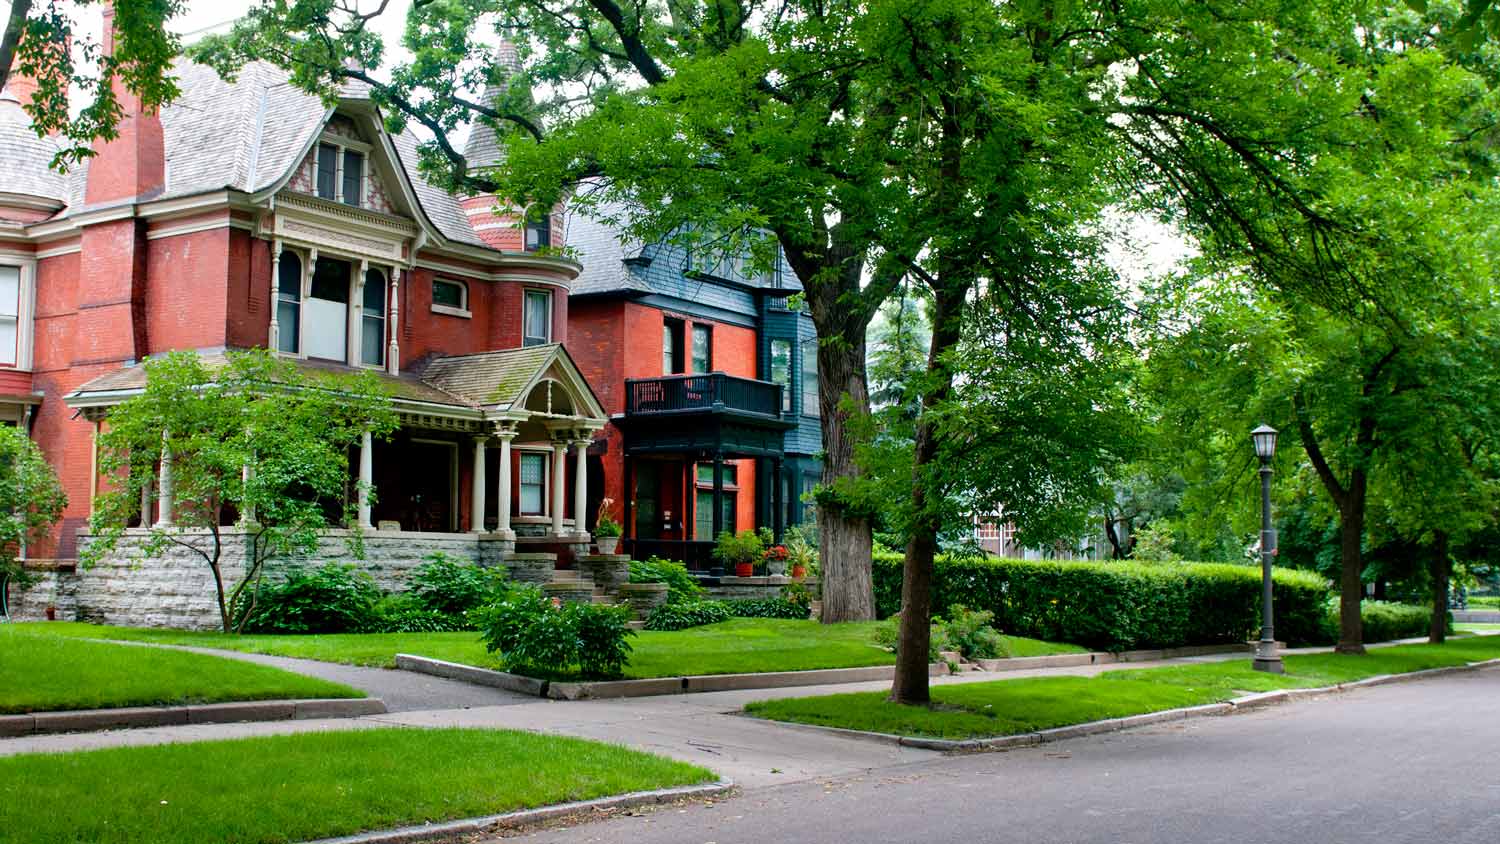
125	717
527	817
693	683
1243	703
639	688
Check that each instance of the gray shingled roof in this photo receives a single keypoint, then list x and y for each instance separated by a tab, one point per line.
242	135
490	379
483	146
25	158
602	251
407	387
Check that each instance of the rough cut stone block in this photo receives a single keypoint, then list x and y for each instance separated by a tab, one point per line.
336	708
570	591
644	597
17	725
531	567
263	710
106	719
609	571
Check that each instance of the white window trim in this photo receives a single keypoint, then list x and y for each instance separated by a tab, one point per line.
303	256
546	455
357	345
449	310
25	310
354	322
526	295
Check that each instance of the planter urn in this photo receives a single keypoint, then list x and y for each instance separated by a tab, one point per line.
607	544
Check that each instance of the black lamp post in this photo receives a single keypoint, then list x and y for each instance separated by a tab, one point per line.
1266	658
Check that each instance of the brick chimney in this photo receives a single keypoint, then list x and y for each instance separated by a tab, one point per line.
133	165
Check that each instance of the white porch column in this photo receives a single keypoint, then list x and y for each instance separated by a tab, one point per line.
393	354
366	477
505	436
476	512
247	473
559	465
164	486
273	336
580	486
146	485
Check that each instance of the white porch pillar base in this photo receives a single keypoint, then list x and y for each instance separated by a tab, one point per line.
476	502
366	477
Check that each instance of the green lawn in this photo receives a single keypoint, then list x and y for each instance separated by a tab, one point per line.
737	646
44	673
311	785
1007	707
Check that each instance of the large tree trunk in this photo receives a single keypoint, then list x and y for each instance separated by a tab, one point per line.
1441	568
1351	570
910	685
844	542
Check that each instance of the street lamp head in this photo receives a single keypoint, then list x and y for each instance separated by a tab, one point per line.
1265	442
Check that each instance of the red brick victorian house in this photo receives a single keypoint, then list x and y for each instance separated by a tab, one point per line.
248	214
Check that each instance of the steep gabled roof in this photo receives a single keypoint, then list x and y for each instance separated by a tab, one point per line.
502	380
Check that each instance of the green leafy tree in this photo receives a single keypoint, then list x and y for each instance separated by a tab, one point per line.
256	439
31	502
36	42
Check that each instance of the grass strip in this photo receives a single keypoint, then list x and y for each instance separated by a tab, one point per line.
1009	707
45	673
737	646
310	785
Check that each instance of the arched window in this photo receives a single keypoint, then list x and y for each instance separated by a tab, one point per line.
372	320
289	303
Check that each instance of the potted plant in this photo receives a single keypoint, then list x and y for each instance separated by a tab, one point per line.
606	530
776	560
741	550
802	555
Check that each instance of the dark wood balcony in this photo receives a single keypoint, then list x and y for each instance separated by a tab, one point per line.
713	392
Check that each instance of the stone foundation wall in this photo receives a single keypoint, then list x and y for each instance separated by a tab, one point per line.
729	588
176	588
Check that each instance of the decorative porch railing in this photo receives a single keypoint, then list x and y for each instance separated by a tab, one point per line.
710	391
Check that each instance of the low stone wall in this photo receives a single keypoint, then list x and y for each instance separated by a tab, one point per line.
729	588
175	588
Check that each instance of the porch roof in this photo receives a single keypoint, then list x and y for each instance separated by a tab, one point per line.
467	387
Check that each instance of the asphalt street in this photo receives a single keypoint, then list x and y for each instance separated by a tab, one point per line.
1411	762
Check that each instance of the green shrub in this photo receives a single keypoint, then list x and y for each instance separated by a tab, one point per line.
681	585
685	614
767	608
969	632
532	636
334	598
888	636
747	546
452	586
1119	606
1384	621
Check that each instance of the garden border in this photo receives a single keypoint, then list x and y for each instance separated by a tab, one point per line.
527	817
120	717
1243	703
693	683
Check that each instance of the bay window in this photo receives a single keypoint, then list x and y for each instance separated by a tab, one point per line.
10	315
326	311
289	303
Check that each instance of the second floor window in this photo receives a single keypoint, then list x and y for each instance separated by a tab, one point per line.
810	378
10	314
328	171
703	359
671	347
781	371
539	233
538	329
450	294
289	303
372	320
353	177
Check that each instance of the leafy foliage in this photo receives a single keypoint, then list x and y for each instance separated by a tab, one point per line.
747	546
685	614
682	586
401	613
333	598
451	587
767	608
533	636
1384	621
971	633
31	502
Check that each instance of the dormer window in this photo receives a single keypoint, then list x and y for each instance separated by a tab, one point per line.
341	171
539	233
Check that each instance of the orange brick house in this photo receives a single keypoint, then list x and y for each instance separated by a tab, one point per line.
247	214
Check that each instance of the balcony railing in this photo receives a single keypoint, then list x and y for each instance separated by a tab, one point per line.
711	391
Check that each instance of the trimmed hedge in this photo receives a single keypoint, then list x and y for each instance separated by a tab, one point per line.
1384	621
1119	606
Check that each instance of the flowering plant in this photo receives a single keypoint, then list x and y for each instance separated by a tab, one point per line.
606	525
776	552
